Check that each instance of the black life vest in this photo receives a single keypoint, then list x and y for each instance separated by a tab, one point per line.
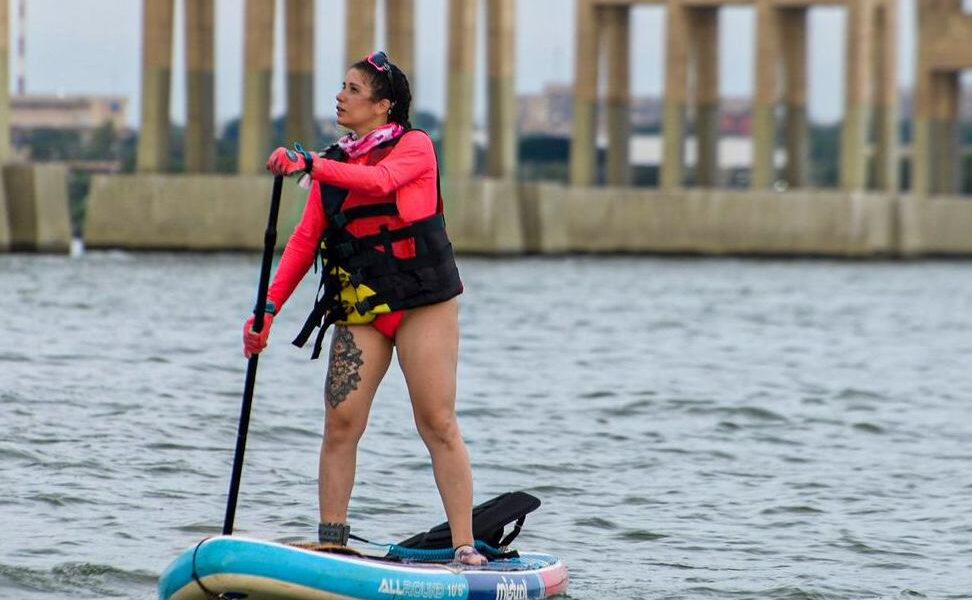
361	277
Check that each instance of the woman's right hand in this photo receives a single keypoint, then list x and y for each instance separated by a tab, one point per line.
284	161
253	342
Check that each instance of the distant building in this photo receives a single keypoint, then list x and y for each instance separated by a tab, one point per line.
80	113
551	112
42	125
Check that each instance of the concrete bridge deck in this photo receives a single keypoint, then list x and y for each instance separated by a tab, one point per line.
503	217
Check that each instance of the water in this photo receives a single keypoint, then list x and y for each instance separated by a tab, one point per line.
708	428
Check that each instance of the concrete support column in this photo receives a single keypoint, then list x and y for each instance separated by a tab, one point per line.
37	196
767	93
921	142
582	147
200	142
257	81
859	92
705	36
459	151
886	112
400	17
360	30
5	150
153	140
945	34
299	21
501	158
676	96
793	25
617	38
944	133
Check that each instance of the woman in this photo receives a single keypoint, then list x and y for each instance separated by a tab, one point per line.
389	281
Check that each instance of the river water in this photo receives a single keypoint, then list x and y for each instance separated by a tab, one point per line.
696	428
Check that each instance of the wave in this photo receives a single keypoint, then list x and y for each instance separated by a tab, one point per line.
76	579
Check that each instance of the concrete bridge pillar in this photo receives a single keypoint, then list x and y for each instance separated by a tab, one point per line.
501	154
459	151
153	141
582	146
37	207
616	33
4	222
676	96
299	21
4	84
944	49
360	30
691	74
705	37
257	80
400	17
944	133
886	111
768	46
793	28
859	93
200	142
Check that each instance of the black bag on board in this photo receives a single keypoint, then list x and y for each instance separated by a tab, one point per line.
489	523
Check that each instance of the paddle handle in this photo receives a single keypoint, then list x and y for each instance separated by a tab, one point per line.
269	243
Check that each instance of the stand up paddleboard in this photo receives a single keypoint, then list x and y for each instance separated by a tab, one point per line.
237	568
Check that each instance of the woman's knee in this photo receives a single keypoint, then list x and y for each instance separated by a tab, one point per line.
440	428
341	432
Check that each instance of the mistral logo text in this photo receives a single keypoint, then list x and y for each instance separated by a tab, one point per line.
509	589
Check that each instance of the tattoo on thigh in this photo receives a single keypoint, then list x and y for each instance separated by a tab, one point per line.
342	371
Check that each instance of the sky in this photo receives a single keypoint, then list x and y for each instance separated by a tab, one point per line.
94	47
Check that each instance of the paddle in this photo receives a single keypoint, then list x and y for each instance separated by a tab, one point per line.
269	241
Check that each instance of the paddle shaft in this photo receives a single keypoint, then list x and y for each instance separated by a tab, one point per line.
269	243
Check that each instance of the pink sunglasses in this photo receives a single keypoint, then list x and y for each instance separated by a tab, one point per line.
379	60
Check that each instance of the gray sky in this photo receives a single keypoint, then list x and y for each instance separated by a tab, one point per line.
93	47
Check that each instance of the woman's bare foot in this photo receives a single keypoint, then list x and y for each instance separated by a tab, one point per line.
468	555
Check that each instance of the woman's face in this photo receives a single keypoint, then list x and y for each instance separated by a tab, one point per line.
355	108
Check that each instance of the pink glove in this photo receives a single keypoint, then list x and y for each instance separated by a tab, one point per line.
284	161
253	342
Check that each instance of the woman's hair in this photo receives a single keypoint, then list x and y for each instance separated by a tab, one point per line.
394	87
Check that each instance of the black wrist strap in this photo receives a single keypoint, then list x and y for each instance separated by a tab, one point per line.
308	158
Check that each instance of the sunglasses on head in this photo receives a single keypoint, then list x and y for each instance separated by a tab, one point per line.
379	60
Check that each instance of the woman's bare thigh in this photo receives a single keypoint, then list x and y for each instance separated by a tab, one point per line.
358	360
428	352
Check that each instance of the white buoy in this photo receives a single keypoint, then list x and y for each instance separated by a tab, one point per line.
77	247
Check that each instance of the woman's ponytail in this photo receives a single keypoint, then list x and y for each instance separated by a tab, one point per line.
401	100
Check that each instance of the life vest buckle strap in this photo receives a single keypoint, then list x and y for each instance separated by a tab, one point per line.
364	211
306	330
339	220
327	311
